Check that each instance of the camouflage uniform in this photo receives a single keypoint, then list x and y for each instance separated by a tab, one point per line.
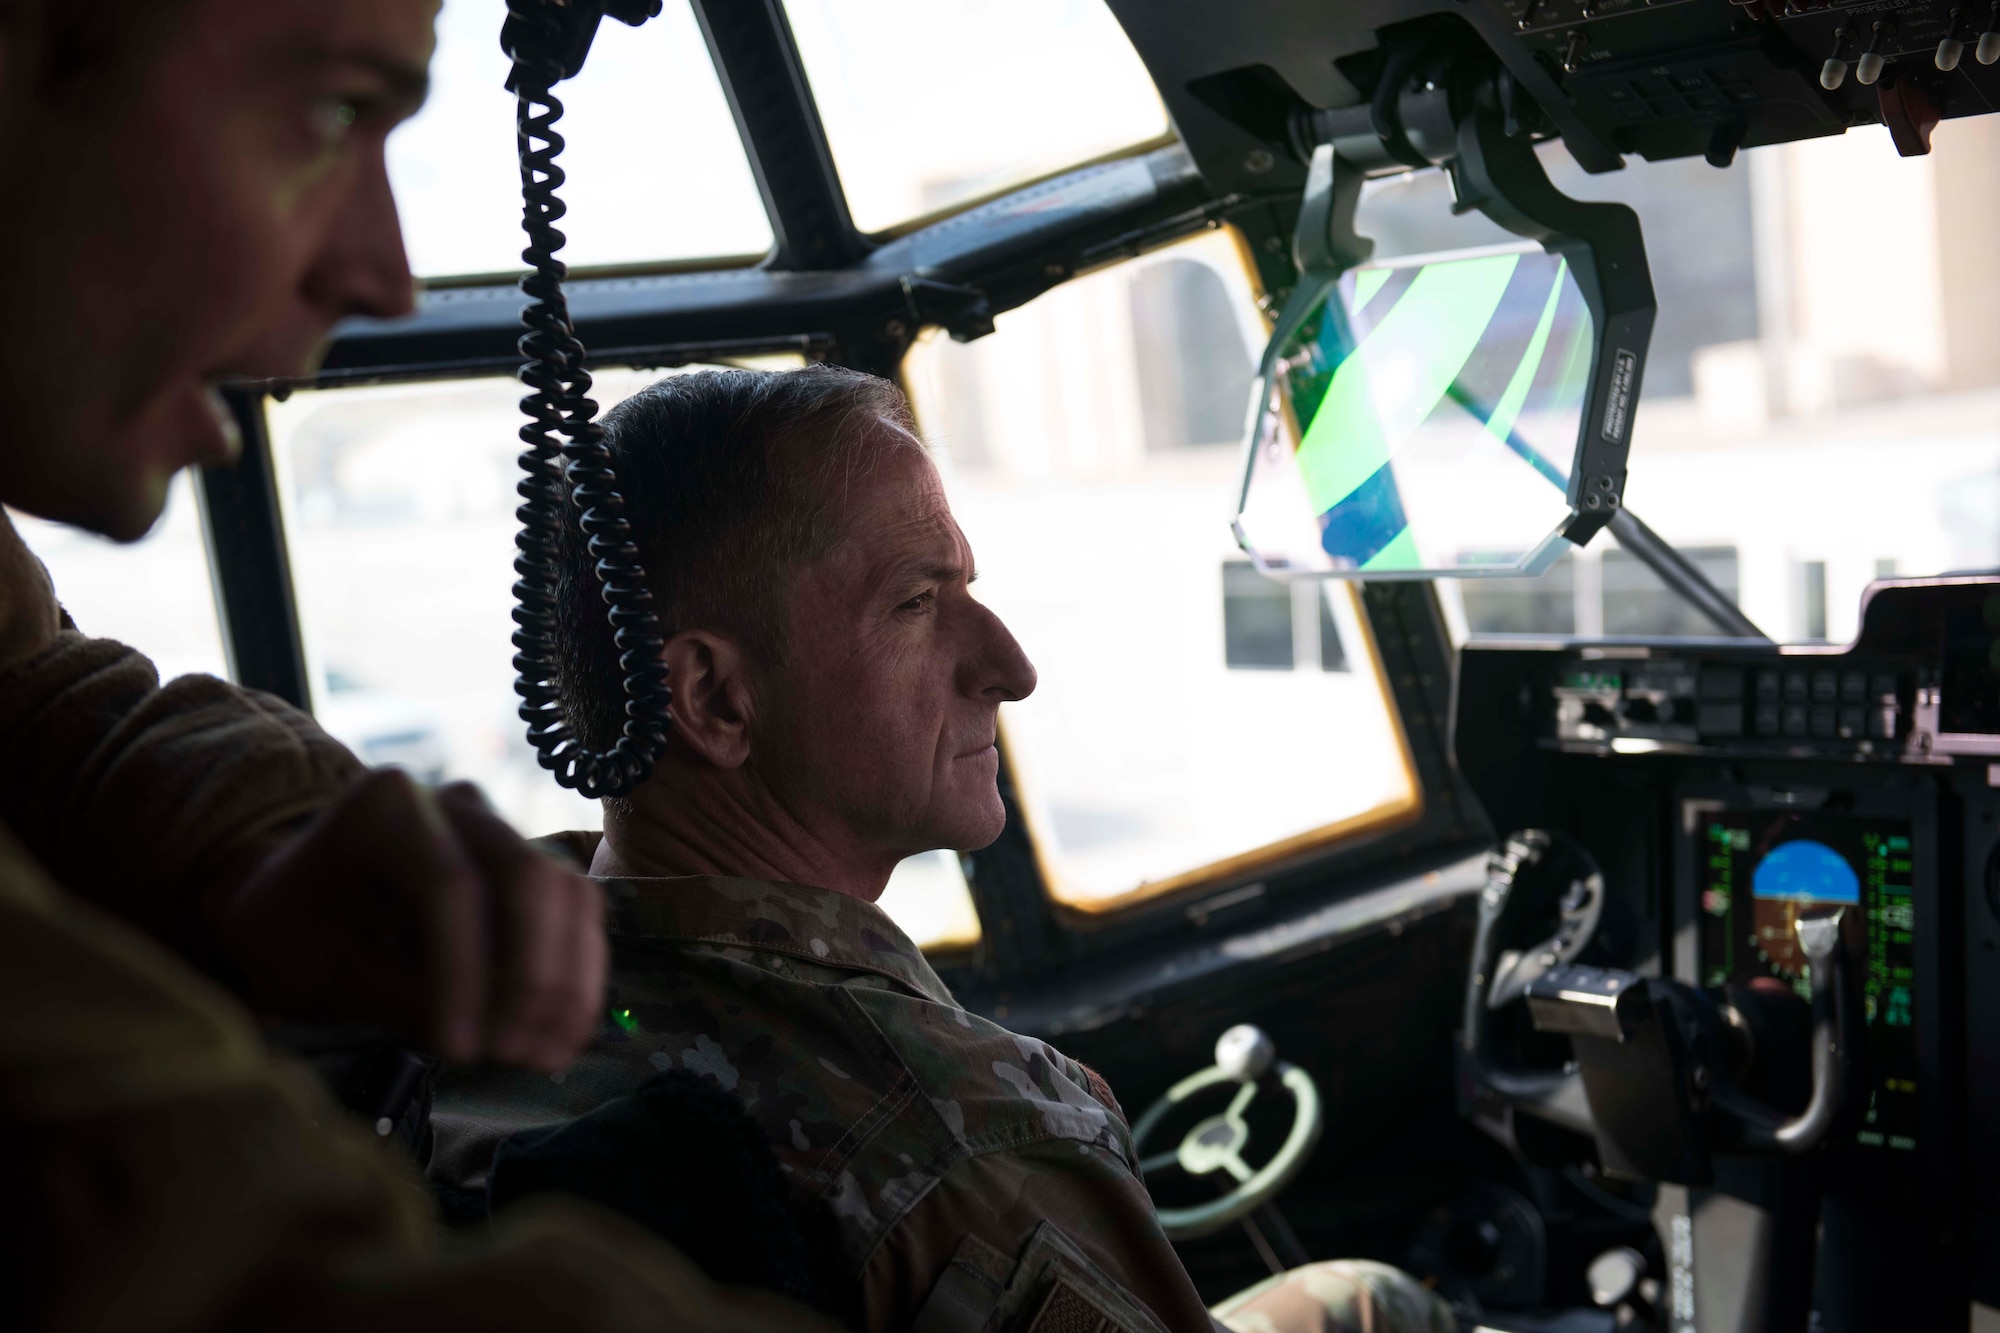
161	1171
972	1171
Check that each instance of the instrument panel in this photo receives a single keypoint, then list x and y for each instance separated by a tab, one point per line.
1922	686
1684	77
1755	868
1726	786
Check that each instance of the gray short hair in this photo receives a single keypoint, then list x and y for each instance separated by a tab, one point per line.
731	479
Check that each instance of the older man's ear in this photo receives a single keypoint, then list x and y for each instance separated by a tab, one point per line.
713	697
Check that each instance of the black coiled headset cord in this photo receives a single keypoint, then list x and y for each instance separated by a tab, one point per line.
541	39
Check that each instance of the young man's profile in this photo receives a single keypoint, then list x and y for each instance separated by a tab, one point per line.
196	192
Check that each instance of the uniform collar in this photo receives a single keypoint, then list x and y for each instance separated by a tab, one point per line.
817	925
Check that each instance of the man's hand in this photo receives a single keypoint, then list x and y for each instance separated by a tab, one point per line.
422	911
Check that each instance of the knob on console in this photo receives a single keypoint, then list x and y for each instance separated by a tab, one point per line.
1951	49
1614	1275
1869	67
1245	1053
1573	48
1834	72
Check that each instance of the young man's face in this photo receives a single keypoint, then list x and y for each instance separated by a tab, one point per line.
203	206
883	717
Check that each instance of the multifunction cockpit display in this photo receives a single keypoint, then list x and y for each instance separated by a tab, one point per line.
1756	870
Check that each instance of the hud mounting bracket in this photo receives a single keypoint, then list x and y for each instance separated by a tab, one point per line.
1449	108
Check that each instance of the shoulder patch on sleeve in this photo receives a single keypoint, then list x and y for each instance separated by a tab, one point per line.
1052	1288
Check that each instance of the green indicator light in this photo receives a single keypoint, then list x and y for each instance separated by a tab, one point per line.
623	1018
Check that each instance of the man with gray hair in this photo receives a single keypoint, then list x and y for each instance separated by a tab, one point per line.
836	691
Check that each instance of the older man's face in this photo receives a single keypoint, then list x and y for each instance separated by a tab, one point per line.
205	209
884	715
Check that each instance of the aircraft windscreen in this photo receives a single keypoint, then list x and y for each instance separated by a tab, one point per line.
1422	417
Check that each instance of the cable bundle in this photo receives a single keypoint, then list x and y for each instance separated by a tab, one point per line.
577	464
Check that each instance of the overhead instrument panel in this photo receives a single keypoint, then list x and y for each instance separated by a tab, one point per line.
1683	77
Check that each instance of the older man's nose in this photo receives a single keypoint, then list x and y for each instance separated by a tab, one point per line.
1000	669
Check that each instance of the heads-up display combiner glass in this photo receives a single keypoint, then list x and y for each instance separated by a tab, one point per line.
1462	414
1420	416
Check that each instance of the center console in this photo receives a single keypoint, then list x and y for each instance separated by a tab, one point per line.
1731	788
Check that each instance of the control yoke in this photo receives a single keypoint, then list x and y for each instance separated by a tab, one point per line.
1659	1070
1655	1058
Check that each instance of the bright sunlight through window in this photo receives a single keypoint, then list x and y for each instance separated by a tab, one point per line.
656	170
929	104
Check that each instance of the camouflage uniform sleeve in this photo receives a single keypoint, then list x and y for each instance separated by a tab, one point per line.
161	1171
30	619
1003	1198
146	796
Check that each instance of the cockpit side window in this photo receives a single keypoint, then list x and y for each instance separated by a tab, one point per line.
931	105
655	168
1196	721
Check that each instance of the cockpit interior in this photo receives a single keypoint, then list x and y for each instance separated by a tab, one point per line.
1503	496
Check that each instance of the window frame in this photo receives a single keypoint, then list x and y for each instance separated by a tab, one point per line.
1026	932
863	307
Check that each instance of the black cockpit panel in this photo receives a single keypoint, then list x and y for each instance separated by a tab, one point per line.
1676	78
1727	787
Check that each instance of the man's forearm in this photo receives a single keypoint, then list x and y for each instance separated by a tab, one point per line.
167	1172
149	801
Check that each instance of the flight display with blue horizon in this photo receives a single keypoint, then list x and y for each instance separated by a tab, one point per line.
1759	869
